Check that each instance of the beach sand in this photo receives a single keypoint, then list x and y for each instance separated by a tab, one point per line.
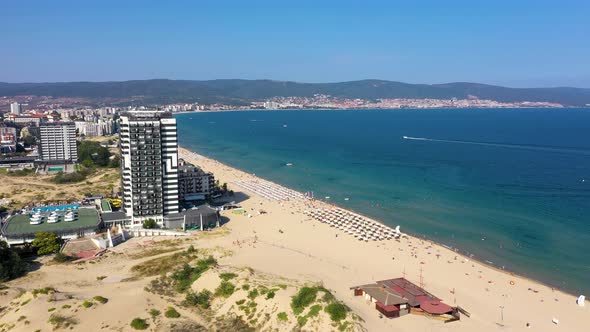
283	246
291	244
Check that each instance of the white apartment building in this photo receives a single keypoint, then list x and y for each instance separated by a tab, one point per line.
58	142
15	108
149	161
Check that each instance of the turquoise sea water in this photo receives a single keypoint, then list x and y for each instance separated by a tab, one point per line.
509	186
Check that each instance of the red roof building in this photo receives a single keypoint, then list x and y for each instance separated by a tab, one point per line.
396	297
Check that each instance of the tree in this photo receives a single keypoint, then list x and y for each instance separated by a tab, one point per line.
93	153
29	140
11	265
149	223
115	162
224	187
46	243
20	148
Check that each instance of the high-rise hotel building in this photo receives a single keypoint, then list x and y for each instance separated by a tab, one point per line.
149	161
58	142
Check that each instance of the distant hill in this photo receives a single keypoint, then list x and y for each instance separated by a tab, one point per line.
235	91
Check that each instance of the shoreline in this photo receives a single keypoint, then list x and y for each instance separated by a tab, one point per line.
383	109
464	254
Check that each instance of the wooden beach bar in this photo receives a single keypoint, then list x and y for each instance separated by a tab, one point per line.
397	297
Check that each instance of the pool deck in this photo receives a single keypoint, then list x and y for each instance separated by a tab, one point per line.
19	224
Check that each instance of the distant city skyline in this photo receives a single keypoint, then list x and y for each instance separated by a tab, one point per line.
508	43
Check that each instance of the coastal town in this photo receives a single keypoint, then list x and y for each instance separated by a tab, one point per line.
318	101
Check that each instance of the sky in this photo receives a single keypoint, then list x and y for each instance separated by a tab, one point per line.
517	43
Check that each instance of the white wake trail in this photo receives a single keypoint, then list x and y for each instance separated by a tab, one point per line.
503	145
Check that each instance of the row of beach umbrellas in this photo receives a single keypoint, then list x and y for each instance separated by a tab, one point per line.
353	224
269	190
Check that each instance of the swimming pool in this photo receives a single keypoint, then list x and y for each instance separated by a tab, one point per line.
56	208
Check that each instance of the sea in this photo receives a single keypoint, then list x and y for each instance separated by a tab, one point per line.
510	187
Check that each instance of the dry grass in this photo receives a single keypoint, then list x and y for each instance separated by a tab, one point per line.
162	265
152	252
18	189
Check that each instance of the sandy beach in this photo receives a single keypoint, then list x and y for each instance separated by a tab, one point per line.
281	249
292	244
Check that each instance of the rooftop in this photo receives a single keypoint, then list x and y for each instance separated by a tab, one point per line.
19	224
382	294
146	114
204	210
392	292
114	216
408	290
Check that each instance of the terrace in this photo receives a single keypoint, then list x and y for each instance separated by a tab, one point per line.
18	229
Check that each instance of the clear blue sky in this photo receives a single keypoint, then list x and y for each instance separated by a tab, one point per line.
513	43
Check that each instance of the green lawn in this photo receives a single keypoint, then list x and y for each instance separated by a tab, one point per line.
19	224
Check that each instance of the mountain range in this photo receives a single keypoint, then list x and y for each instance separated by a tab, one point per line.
238	91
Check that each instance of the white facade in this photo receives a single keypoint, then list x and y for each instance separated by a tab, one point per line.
89	129
15	108
149	161
58	142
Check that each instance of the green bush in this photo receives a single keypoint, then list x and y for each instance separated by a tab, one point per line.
240	302
62	258
201	299
171	313
80	175
227	276
44	291
253	294
87	304
115	162
337	311
303	298
59	321
314	310
225	289
150	224
101	299
139	324
301	320
22	172
154	312
282	316
270	294
185	276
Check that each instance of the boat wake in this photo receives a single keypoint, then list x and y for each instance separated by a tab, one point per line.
504	145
